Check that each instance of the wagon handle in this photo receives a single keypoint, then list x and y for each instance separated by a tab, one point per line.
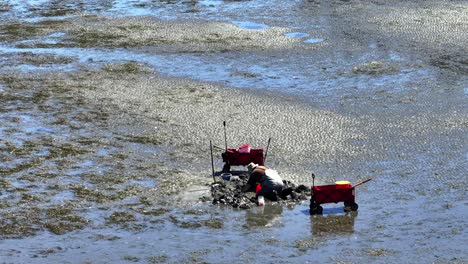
313	179
361	183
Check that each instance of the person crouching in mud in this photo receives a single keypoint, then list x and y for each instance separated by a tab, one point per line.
265	182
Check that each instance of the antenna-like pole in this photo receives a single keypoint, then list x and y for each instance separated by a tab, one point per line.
266	151
225	138
212	163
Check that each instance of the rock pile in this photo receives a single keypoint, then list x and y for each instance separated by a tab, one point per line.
229	193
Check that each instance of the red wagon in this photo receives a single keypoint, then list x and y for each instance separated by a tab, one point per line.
241	156
237	157
334	193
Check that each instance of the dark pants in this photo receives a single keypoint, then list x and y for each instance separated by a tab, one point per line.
274	195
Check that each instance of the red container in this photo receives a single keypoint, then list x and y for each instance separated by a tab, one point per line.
244	148
233	157
333	193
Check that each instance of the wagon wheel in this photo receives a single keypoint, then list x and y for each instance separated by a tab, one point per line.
319	209
350	206
315	208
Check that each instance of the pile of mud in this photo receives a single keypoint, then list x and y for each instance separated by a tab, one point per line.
229	193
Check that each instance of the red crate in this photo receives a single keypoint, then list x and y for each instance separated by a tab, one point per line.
232	157
332	194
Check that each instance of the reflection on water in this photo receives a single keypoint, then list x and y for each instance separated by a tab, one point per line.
211	3
250	25
314	40
332	224
267	215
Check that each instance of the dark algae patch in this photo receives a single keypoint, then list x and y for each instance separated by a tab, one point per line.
130	67
121	218
18	30
153	212
185	224
19	223
214	223
60	155
375	68
157	259
94	195
27	222
62	219
39	60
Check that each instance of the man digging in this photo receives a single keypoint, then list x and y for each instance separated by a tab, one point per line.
266	183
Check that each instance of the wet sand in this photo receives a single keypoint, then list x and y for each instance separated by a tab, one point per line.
116	152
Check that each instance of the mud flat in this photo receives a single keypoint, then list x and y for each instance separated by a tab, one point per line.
105	152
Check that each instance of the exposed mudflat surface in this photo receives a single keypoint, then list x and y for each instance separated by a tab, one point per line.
108	109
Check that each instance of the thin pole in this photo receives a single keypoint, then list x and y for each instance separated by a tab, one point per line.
266	151
225	138
212	163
